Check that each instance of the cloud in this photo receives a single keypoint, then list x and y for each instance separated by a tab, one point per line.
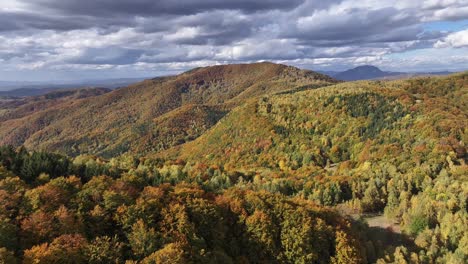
452	13
446	9
108	55
10	21
455	40
167	36
160	7
348	24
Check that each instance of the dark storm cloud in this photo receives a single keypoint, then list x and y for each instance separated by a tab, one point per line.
220	27
355	24
13	21
11	55
219	19
160	7
10	21
214	34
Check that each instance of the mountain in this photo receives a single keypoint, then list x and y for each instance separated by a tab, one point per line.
152	115
369	72
365	72
328	125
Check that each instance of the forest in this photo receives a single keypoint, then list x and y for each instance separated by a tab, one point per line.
287	177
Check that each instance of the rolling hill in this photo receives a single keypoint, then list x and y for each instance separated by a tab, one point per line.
151	115
296	133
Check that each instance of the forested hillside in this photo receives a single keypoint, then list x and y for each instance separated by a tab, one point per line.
12	108
397	148
131	119
109	212
256	164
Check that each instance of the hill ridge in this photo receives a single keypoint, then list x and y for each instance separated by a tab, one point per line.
124	119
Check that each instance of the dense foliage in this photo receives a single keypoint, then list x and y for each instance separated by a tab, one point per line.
133	216
366	147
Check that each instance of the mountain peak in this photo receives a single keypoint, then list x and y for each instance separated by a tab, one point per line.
367	68
250	73
360	73
370	72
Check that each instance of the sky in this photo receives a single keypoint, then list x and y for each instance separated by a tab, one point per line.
47	40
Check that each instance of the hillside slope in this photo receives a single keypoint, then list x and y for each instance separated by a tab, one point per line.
394	150
127	119
343	125
17	107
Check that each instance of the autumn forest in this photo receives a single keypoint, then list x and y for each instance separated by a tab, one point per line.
247	163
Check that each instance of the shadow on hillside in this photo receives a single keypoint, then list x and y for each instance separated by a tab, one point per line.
381	241
390	238
302	88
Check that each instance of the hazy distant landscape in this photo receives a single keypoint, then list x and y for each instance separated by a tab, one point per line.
264	132
369	72
20	89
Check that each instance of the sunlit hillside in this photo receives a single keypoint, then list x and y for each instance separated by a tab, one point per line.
131	119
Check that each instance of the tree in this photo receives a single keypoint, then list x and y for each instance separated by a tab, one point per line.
104	250
302	240
172	253
143	240
262	234
42	162
8	234
66	249
7	257
346	250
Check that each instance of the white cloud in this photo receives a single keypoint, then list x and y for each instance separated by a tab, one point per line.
452	13
456	40
11	5
183	34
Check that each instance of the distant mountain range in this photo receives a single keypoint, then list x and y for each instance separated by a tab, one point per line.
21	89
369	72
